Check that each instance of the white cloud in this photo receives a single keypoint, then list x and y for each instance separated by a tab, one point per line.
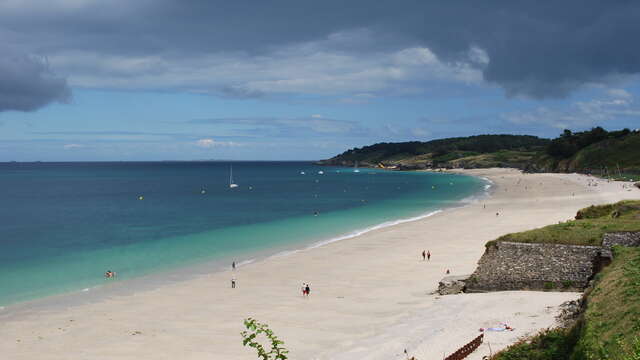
597	111
72	146
210	143
323	67
619	93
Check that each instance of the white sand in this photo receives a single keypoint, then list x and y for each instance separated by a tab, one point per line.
370	295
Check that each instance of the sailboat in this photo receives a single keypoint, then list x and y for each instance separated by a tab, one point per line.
231	183
355	168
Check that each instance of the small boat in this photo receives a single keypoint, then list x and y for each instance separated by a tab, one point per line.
320	172
231	183
301	172
355	167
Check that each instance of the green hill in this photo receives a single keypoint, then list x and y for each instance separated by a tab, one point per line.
596	151
472	151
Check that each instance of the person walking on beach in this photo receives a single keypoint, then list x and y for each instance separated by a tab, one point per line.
428	255
307	289
424	255
233	265
233	283
304	289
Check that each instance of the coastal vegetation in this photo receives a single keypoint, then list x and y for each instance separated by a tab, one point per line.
480	151
608	326
613	154
588	228
250	337
597	151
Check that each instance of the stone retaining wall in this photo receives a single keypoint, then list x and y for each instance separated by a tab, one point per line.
621	238
522	266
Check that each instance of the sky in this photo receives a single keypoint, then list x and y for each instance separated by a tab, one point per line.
121	80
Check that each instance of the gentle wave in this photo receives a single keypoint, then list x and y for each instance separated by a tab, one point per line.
373	228
355	234
463	202
245	262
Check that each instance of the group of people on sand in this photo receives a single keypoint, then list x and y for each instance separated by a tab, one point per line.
426	256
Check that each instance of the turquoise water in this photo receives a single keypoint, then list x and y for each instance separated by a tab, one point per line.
68	223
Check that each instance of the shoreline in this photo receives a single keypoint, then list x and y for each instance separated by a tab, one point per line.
191	271
370	294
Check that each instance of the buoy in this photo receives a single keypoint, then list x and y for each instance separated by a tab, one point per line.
140	197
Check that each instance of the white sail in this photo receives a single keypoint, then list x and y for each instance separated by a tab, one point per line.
231	183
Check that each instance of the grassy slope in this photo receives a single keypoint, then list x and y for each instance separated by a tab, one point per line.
611	153
439	152
608	154
503	158
596	221
610	326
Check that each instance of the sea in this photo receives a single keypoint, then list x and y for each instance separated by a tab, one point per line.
63	225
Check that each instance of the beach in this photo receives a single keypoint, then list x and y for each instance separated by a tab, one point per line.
371	296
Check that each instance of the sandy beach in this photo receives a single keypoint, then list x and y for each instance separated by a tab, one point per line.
372	296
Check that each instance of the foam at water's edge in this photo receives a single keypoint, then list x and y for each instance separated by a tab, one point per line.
355	233
245	262
463	202
372	228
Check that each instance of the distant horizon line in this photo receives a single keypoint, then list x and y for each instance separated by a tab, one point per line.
142	161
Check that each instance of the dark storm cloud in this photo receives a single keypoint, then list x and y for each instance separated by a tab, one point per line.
537	49
27	84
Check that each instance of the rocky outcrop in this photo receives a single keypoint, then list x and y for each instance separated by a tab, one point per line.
569	312
452	285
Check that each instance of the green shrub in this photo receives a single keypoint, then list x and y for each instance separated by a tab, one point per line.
553	344
254	328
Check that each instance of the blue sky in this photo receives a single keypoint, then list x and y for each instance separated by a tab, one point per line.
85	80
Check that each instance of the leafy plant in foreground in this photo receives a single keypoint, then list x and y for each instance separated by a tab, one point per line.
254	328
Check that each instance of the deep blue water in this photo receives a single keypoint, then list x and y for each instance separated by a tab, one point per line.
63	224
